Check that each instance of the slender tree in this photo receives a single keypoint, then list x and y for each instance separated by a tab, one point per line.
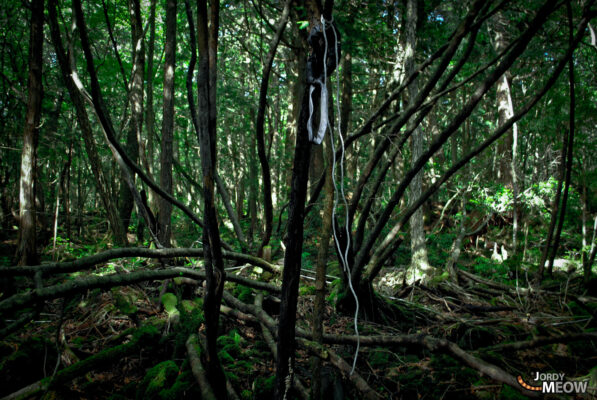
165	207
207	44
26	245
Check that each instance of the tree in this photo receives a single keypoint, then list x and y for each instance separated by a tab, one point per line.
26	247
165	207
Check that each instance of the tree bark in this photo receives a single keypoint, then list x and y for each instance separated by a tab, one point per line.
207	42
147	143
296	210
419	267
165	207
26	245
320	271
499	26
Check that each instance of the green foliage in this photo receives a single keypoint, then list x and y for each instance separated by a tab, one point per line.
490	269
306	290
498	199
335	291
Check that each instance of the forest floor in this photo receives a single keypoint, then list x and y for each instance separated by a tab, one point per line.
134	343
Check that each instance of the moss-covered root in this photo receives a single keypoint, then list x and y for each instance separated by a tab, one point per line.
142	337
198	370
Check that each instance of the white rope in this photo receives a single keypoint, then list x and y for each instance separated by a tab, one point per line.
343	255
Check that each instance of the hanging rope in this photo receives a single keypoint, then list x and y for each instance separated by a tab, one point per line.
323	122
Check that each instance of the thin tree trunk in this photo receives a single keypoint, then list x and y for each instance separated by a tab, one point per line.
320	271
214	264
26	245
419	267
296	210
165	207
134	132
498	31
149	111
253	189
346	111
101	182
259	125
569	153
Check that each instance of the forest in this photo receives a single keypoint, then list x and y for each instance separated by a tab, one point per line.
310	199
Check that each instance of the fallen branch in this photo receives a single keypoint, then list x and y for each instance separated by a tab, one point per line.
538	342
430	343
434	345
90	261
79	285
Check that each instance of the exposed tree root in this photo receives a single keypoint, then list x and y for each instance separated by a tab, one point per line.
427	342
198	370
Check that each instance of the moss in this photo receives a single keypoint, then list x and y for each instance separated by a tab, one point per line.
189	323
184	386
244	293
157	379
263	388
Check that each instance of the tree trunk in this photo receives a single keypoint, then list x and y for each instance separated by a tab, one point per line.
149	112
320	272
498	31
136	99
292	258
346	111
26	246
507	146
569	153
165	207
419	267
214	264
296	69
296	208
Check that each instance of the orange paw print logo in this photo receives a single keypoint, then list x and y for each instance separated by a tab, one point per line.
527	386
